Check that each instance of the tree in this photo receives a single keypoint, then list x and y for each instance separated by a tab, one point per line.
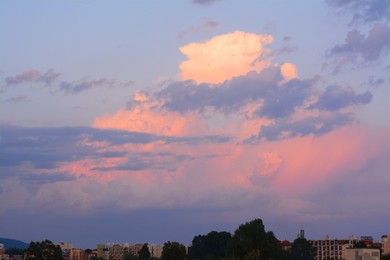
129	256
385	257
43	250
250	241
14	251
302	250
173	251
144	252
211	246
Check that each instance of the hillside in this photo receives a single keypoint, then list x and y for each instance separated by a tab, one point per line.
9	243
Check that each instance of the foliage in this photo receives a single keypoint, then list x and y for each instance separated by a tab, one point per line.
360	244
302	250
211	246
43	250
173	251
250	241
385	257
129	256
14	251
144	252
88	251
96	258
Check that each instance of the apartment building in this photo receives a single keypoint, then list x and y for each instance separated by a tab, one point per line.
328	248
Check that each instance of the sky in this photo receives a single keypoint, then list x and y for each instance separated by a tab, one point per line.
148	121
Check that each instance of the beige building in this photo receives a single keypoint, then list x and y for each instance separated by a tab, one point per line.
363	254
385	244
116	252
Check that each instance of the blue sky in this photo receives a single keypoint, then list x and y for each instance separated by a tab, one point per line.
148	121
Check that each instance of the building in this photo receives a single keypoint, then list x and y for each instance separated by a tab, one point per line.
363	254
155	250
385	241
328	248
116	252
286	245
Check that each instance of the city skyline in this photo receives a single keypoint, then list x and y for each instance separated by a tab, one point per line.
159	121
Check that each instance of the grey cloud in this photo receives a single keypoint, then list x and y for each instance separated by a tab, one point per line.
76	87
46	147
281	102
16	99
278	102
204	2
148	160
336	97
364	10
373	81
231	96
47	178
206	26
315	126
369	48
33	76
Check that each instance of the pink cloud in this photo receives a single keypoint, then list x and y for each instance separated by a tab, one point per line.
146	120
225	56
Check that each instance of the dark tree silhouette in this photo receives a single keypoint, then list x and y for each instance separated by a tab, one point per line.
173	251
250	241
211	246
144	252
44	250
302	250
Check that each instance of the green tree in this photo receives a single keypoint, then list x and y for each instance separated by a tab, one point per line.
144	252
43	250
129	256
96	258
173	251
385	257
211	246
14	251
360	244
302	250
250	241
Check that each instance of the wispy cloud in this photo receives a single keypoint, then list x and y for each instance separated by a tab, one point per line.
204	2
364	10
33	76
16	99
81	85
205	27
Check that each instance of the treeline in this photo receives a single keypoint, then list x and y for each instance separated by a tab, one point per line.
249	241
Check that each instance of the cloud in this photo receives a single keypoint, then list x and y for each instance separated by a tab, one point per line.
364	10
368	48
289	71
373	81
67	87
309	126
33	76
16	99
204	2
206	26
335	98
76	87
225	56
